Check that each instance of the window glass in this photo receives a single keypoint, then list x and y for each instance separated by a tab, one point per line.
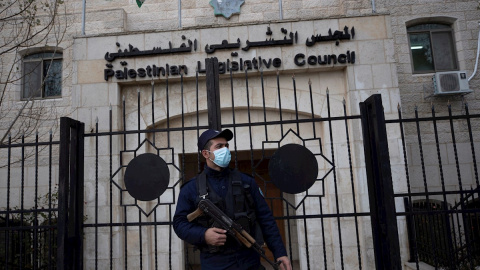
32	80
42	75
421	52
443	48
53	78
432	48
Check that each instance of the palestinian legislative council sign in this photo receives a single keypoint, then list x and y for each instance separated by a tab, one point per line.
235	63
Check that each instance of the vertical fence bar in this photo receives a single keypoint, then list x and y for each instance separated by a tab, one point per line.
198	120
140	238
247	92
110	189
233	119
296	103
167	97
263	103
35	219
305	233
279	102
357	235
125	228
335	182
454	234
50	231
7	221
96	194
323	234
155	233
448	229
70	200
213	93
22	196
380	187
138	120
458	232
410	230
311	108
182	100
153	109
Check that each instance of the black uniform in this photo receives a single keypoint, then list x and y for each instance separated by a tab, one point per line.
233	255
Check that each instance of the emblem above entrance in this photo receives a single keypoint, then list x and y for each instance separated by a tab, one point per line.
226	8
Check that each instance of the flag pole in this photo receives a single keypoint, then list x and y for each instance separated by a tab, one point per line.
83	17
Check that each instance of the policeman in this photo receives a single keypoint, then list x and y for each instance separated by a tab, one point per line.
238	196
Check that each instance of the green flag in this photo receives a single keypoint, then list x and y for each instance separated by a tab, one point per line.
140	2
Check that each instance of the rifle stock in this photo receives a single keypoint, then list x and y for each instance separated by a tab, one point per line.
194	214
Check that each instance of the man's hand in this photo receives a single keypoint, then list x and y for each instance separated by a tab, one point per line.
285	265
216	237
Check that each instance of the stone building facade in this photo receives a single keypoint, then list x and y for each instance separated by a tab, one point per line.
124	50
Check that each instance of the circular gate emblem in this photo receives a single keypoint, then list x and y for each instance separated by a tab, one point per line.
293	168
147	177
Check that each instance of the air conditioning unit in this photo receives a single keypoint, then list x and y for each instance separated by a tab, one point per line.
450	83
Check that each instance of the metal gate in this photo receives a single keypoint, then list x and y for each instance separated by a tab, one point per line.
368	196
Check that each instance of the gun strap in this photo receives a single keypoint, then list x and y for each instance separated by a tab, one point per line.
202	185
238	199
237	192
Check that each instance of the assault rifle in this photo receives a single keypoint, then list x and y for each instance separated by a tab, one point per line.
234	229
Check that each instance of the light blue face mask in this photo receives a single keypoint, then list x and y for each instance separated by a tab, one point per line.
222	157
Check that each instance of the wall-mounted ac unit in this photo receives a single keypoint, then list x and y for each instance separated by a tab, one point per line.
450	83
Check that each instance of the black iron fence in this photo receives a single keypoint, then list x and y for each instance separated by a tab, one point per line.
28	208
418	173
442	187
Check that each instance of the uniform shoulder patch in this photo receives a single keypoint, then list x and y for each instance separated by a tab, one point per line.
261	192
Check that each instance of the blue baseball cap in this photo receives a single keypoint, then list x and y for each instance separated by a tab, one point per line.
209	134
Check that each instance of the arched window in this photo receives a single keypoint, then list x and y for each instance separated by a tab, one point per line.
42	75
432	48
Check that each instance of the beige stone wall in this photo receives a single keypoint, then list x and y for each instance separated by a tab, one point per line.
382	66
161	15
465	16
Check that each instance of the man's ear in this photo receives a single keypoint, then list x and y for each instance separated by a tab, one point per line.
205	153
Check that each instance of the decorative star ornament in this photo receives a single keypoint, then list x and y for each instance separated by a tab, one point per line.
226	8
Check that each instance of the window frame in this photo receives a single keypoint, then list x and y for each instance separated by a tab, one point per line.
453	48
56	55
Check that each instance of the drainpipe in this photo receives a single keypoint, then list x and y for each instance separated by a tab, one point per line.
83	17
374	10
478	52
180	13
281	9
